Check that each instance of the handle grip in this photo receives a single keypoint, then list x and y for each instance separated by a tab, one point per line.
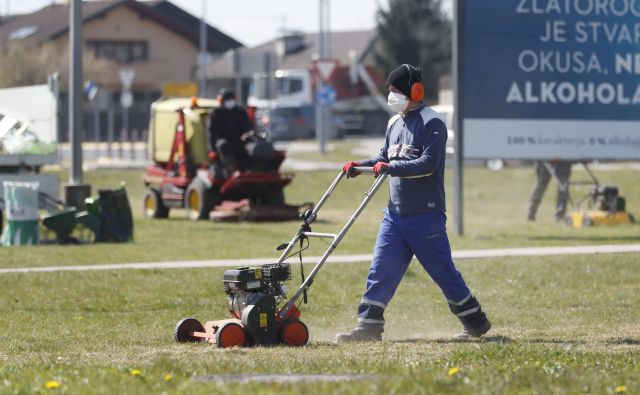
362	169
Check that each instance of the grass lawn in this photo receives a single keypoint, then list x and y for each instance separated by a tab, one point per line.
562	324
495	203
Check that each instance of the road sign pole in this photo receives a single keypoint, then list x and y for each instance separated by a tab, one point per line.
319	112
202	56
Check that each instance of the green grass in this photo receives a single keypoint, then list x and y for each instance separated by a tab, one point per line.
562	324
495	203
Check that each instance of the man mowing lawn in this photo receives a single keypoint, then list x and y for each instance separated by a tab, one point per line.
414	221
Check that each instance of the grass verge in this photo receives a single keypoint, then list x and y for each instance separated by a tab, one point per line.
495	203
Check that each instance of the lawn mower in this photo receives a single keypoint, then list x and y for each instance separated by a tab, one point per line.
185	174
255	296
604	204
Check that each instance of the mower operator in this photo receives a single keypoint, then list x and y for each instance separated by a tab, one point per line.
414	219
227	127
562	171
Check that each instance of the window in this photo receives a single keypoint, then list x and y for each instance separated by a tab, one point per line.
120	51
295	85
288	85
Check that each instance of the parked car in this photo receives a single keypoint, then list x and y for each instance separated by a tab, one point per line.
287	123
446	113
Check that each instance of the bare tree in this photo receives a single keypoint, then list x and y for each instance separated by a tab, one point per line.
28	63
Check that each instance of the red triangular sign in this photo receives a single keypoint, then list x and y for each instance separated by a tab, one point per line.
326	68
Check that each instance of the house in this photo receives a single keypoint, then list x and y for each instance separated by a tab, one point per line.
156	39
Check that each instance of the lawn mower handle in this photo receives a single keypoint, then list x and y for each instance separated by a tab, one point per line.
337	238
361	169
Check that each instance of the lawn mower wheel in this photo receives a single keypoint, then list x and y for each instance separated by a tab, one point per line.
185	328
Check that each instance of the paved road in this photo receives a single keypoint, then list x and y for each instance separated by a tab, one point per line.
457	255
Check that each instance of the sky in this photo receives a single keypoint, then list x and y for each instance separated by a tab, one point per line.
253	22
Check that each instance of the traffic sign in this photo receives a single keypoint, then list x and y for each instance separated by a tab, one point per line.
126	77
326	95
326	68
90	89
126	99
180	89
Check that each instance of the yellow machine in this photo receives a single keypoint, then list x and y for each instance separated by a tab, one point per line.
578	219
604	206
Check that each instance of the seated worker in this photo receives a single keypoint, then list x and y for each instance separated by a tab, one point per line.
227	127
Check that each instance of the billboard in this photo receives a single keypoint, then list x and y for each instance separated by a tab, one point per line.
546	79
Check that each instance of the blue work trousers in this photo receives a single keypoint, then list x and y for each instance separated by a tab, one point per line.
400	238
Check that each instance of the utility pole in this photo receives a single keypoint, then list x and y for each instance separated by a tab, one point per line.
202	56
75	191
75	91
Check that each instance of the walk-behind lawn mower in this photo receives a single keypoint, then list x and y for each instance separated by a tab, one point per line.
604	204
255	295
185	174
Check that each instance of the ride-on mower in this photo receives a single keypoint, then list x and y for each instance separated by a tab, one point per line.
185	174
254	295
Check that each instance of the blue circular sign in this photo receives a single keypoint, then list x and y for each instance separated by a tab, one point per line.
326	95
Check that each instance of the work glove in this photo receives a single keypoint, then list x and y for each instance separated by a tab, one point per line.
380	168
347	169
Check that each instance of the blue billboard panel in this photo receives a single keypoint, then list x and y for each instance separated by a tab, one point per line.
551	78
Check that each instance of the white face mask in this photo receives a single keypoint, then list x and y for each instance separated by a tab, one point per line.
397	102
229	104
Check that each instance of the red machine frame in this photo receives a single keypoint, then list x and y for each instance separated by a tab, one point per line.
175	173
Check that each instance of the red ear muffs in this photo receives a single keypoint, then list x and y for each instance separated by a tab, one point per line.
417	91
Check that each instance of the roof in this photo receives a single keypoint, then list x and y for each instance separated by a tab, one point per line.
216	40
52	21
253	60
177	103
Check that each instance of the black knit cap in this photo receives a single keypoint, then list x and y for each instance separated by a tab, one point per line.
226	94
402	77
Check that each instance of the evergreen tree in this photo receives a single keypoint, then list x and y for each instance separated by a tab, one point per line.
417	32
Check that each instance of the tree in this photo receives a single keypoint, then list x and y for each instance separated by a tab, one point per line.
28	63
417	32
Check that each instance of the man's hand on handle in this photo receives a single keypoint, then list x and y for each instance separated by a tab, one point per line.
380	168
347	169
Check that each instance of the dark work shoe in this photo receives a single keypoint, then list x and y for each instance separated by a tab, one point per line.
360	334
473	319
469	332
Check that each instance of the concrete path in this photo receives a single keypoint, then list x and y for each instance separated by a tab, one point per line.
457	255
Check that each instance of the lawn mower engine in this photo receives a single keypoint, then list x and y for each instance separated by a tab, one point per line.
253	296
606	198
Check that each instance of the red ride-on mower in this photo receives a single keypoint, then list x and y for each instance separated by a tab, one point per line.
185	174
255	295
